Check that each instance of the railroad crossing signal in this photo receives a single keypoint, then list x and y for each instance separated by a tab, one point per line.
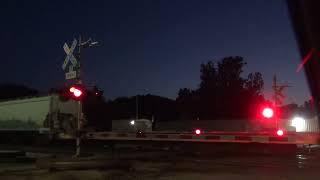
71	74
77	92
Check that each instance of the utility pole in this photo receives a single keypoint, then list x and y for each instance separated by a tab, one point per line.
137	107
278	96
137	104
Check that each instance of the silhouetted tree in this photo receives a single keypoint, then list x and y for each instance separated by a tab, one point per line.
253	93
150	106
187	104
12	91
222	92
95	111
254	83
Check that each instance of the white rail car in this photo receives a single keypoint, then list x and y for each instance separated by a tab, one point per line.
38	113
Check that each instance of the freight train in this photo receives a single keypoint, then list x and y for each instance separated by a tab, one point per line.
38	114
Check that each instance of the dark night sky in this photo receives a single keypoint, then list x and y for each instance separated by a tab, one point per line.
148	46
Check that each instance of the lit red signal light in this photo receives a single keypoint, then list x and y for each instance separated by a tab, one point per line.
72	89
267	112
280	132
197	131
76	91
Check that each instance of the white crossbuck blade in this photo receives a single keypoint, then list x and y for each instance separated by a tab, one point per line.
70	56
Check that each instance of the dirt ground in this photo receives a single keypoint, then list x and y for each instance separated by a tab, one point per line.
170	171
163	165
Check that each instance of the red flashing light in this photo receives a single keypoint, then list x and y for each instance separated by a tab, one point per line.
72	89
77	92
267	112
198	131
280	132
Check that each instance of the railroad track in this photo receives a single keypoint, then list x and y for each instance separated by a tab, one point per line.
165	165
303	159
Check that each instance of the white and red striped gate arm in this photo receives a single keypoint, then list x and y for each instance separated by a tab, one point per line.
232	137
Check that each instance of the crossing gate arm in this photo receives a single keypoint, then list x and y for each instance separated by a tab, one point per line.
294	138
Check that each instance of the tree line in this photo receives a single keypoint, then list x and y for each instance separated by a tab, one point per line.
224	92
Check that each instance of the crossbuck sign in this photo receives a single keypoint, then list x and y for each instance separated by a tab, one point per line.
71	74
